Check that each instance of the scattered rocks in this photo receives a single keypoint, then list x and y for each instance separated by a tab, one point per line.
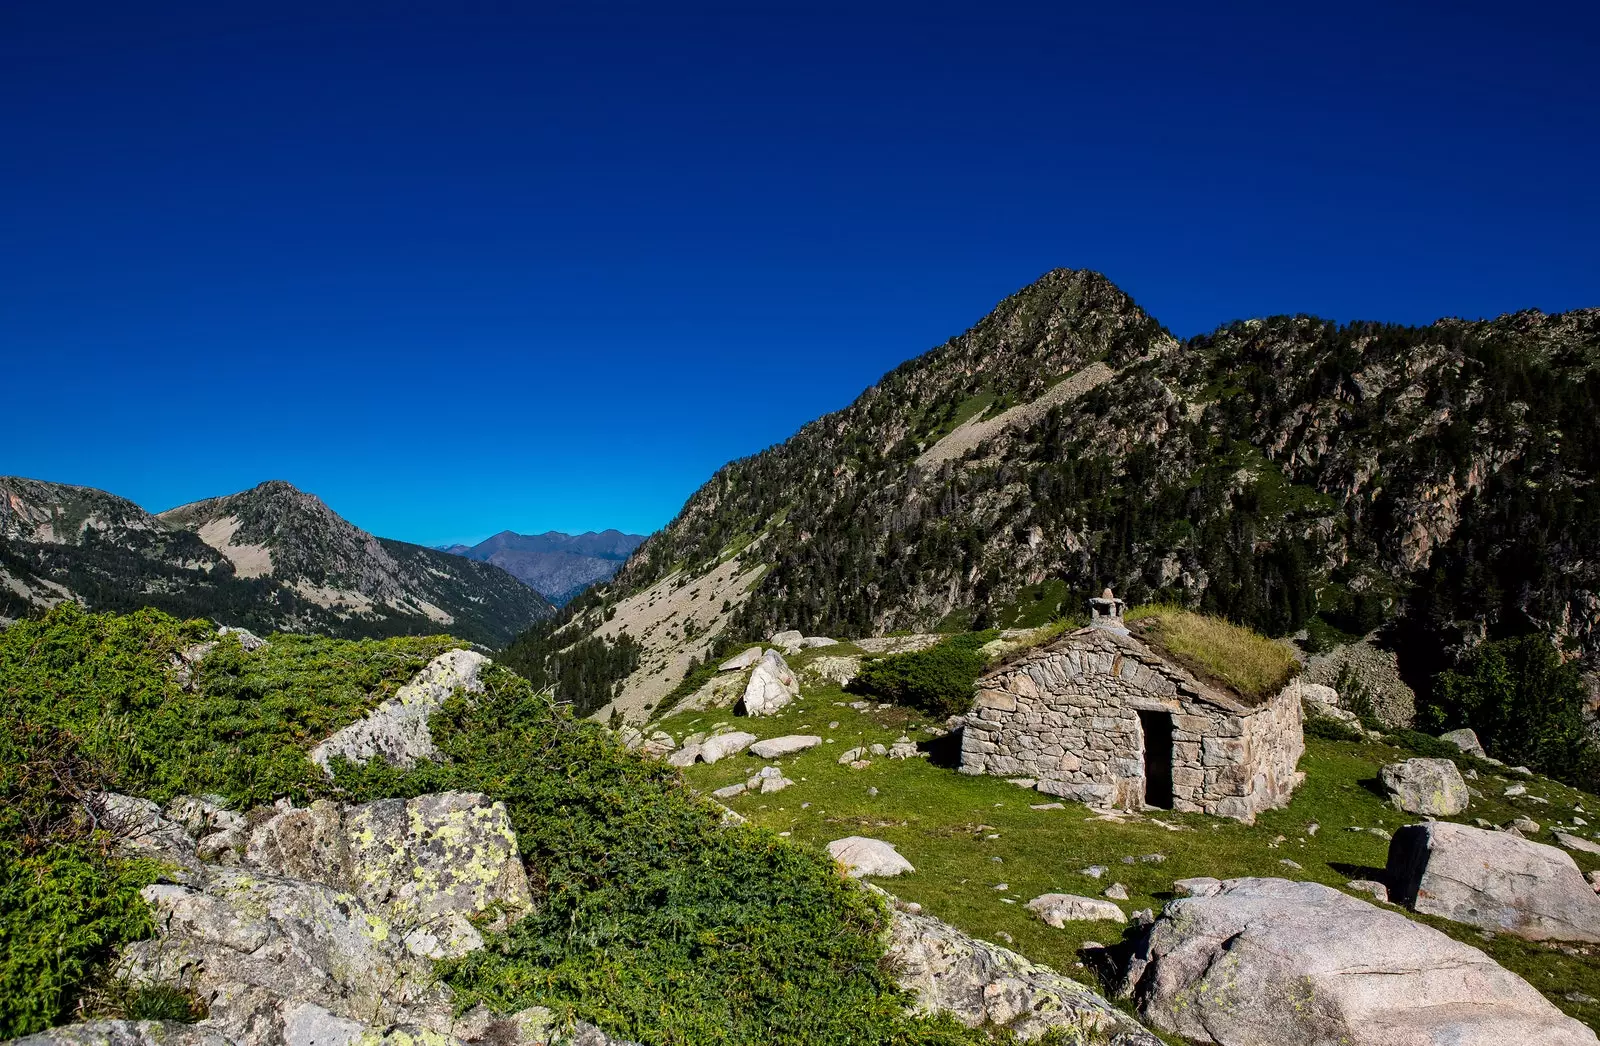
730	791
1094	871
1290	864
1116	892
1525	825
1494	880
1512	791
768	780
851	756
397	730
840	671
1048	806
903	748
863	856
1432	787
792	637
1058	909
1267	961
789	744
688	755
657	745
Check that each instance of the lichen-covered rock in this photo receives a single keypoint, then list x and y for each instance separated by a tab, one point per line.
428	864
126	1033
834	669
1431	787
979	984
141	830
790	638
1265	962
772	686
1495	880
863	856
1058	909
253	946
397	730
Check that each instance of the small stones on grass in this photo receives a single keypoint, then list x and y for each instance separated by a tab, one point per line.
872	790
1116	892
1152	858
1002	886
1371	887
1293	865
1525	825
1512	791
1094	871
1048	806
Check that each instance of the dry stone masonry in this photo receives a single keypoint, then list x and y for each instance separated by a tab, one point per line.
1101	718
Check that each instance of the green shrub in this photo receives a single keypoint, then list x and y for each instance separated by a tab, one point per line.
1329	729
1526	704
938	680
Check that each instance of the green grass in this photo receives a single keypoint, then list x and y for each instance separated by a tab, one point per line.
1216	650
942	821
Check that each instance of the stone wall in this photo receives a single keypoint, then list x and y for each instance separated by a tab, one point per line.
1067	716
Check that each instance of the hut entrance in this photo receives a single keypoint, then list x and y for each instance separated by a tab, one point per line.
1157	730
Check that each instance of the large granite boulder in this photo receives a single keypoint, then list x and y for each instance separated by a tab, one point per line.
720	746
772	686
1266	962
397	730
429	865
1466	740
742	660
1058	909
982	984
1495	880
1430	787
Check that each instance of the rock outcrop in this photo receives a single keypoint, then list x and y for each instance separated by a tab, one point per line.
1265	962
1431	787
983	984
789	744
772	686
1058	909
397	730
1496	880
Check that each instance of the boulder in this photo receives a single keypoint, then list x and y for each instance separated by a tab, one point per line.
788	744
772	686
1265	962
1465	740
397	730
863	856
657	745
851	756
1495	880
1058	909
789	638
1431	787
126	1033
742	660
982	984
255	946
768	780
685	756
731	743
813	642
838	670
1199	886
428	865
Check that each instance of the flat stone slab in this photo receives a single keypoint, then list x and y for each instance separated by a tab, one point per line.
788	744
1058	909
741	660
723	745
863	856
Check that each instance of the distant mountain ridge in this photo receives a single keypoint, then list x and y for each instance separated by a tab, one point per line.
269	558
559	566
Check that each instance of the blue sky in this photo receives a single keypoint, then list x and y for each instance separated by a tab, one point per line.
473	266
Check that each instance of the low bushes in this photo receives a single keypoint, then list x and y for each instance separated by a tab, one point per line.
938	680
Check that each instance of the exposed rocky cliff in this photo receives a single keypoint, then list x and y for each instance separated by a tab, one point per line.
269	558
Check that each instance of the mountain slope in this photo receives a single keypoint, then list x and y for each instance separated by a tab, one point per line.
268	558
558	566
1291	473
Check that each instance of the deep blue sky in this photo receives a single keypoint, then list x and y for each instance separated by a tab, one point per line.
464	267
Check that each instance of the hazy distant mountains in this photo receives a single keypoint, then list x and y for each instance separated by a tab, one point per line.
270	558
558	566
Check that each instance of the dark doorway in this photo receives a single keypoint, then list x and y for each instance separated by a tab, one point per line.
1157	729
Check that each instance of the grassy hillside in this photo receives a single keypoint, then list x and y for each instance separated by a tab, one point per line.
982	850
653	920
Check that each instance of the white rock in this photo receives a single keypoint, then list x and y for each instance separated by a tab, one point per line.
812	642
743	659
729	792
1574	842
1116	892
851	756
1058	909
863	856
397	730
792	637
1466	740
723	745
685	756
1199	886
772	686
1369	886
789	744
1432	787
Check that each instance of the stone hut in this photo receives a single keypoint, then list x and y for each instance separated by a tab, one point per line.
1101	718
